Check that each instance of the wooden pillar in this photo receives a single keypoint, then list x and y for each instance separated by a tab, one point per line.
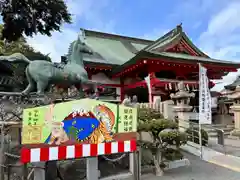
39	173
25	172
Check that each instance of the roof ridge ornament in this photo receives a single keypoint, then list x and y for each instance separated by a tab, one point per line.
179	27
82	35
176	30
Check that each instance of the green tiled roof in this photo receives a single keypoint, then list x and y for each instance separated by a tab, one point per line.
177	57
108	51
169	38
139	47
192	58
112	49
123	51
233	85
172	37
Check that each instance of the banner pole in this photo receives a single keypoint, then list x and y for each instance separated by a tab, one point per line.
149	86
199	124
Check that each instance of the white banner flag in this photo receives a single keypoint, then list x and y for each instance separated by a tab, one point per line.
148	82
205	108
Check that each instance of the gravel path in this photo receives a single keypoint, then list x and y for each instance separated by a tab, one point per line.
198	170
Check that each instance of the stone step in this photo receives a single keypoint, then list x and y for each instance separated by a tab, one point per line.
218	125
213	132
212	135
233	137
215	128
211	129
225	132
230	126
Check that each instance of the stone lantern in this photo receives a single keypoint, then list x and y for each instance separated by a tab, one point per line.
182	99
182	108
236	111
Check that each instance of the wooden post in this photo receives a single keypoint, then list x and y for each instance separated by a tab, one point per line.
51	170
137	166
39	173
8	172
131	163
139	160
20	135
92	168
2	152
25	172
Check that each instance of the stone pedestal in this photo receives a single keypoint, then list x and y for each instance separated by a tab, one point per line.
235	108
236	111
182	107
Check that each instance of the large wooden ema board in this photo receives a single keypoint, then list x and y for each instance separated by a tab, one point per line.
76	129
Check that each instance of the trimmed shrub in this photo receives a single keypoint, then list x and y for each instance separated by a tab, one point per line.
166	138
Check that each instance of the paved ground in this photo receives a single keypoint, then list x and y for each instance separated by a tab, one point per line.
198	170
232	147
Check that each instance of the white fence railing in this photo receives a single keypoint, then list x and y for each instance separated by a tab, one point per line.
156	107
165	108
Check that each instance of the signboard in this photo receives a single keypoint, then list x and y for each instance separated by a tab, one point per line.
205	105
82	121
77	129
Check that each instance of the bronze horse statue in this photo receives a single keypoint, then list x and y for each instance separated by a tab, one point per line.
40	74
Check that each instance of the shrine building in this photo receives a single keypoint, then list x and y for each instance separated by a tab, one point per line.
123	62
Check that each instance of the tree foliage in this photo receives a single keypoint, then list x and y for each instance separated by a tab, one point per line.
20	46
18	68
166	138
28	17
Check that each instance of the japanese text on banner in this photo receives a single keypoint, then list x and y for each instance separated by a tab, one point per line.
205	111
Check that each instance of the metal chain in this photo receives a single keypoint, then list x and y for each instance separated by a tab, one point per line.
12	155
116	159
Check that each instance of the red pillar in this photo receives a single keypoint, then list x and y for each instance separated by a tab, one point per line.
152	75
122	94
89	74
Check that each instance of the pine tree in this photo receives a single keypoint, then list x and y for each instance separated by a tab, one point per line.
28	17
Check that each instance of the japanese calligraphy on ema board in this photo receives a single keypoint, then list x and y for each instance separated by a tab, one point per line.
80	121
